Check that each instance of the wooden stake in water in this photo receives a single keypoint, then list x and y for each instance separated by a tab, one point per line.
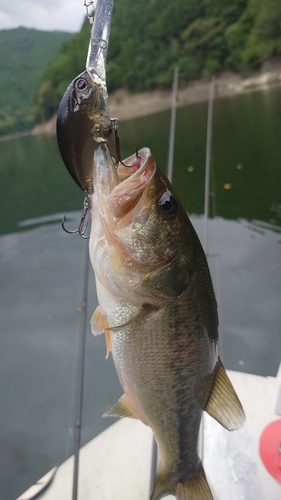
173	126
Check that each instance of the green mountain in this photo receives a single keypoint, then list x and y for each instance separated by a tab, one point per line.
150	37
24	55
69	62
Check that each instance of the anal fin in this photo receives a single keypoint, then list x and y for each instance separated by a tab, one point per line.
120	409
223	403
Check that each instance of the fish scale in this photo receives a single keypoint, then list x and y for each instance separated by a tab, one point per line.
153	363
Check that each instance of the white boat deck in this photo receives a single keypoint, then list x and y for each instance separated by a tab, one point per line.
116	464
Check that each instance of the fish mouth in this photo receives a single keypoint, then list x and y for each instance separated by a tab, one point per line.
133	164
135	175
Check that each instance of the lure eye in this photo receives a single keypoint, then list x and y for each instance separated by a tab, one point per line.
167	204
81	84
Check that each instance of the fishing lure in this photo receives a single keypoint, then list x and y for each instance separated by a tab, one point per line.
83	121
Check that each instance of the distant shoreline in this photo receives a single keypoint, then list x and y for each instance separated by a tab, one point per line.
16	135
126	106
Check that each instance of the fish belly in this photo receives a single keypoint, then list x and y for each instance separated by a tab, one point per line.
160	361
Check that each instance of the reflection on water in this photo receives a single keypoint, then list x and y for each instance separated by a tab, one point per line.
244	259
40	295
41	270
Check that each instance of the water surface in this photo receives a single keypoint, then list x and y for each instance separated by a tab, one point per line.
42	268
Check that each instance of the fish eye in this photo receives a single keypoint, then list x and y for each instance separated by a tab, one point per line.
167	204
81	84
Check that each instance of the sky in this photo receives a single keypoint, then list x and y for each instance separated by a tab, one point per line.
63	15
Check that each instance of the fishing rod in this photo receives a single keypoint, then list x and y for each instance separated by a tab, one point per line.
208	160
206	219
173	126
206	210
153	470
80	374
154	453
207	198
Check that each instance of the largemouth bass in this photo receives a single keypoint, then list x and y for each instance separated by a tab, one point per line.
159	314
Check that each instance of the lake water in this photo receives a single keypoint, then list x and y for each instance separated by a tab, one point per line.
41	272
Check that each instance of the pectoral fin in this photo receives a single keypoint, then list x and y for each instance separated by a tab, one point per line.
223	403
97	322
120	409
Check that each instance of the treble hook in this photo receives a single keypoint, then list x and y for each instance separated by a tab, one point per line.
81	229
115	125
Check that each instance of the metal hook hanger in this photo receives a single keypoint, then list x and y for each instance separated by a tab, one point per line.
81	228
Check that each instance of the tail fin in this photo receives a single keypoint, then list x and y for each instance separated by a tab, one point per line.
195	488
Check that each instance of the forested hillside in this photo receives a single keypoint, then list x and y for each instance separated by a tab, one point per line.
150	37
24	55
